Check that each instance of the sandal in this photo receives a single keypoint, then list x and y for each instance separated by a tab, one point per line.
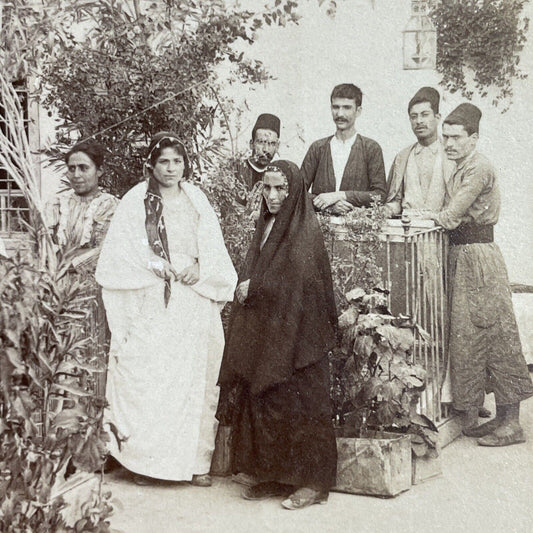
483	429
244	479
503	436
201	480
305	497
263	491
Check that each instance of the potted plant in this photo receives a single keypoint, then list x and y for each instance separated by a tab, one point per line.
376	387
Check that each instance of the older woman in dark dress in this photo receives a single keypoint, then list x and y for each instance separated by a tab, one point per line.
275	361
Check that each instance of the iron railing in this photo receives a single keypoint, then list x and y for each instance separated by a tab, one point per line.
415	274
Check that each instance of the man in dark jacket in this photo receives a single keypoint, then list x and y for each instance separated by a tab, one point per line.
264	145
345	170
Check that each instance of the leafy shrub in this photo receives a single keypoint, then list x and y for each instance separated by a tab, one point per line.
49	416
375	379
485	36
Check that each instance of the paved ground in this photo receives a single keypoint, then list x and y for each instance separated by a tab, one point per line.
487	490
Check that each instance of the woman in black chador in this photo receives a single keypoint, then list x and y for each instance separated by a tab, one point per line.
275	366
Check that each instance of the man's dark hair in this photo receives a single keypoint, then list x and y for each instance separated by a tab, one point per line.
95	151
348	90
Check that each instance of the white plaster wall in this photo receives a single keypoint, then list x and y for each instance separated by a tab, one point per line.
363	45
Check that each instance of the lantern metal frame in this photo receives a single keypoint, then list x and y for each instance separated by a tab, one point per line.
419	38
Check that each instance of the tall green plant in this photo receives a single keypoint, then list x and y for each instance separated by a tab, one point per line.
49	414
374	377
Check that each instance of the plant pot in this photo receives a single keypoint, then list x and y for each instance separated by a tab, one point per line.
378	464
426	467
423	467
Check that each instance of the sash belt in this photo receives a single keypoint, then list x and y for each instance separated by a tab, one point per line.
471	233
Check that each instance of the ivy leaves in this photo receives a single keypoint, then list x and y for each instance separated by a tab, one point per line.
485	37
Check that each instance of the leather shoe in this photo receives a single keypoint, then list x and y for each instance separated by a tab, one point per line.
263	491
305	497
483	429
201	480
503	436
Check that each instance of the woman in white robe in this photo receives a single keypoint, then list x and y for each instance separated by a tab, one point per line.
166	275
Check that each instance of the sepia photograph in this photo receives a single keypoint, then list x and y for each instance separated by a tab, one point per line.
261	256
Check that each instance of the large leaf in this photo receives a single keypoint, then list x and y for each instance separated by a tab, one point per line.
348	318
69	419
355	294
398	338
364	345
14	358
371	388
392	390
423	421
370	321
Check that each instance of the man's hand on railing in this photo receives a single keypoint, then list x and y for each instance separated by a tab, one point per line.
326	199
340	208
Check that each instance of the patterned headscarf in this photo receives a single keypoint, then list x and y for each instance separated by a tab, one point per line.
153	204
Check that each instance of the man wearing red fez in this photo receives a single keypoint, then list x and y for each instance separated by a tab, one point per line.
419	174
344	170
264	145
484	346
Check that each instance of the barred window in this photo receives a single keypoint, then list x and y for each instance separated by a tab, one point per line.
13	206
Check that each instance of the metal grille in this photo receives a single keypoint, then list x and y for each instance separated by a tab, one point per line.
415	273
13	205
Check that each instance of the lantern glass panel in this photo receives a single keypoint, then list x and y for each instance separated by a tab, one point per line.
419	39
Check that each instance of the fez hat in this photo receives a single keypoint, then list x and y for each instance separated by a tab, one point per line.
426	94
467	115
266	121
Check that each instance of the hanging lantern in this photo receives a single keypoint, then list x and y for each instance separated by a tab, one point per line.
419	38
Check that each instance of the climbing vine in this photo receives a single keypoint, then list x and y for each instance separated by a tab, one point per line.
485	37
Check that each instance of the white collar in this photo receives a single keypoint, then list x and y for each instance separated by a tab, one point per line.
255	167
348	142
434	147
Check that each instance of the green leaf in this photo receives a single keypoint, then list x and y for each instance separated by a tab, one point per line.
424	422
348	318
14	358
355	294
69	419
398	338
364	345
73	389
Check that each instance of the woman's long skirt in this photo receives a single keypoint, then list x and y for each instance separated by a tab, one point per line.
161	386
286	433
